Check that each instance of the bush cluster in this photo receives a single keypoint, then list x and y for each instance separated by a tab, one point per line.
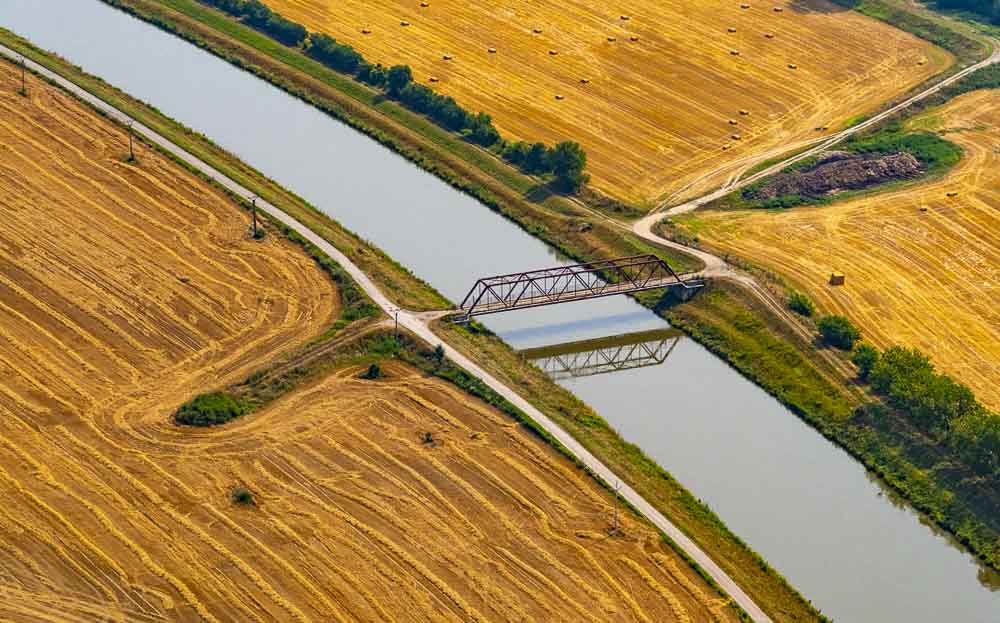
565	161
935	403
838	331
799	303
263	19
990	9
210	410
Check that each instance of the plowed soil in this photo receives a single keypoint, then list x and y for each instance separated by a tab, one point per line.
128	288
922	263
654	117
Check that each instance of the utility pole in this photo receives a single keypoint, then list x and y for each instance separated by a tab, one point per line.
253	212
24	84
131	150
616	528
396	316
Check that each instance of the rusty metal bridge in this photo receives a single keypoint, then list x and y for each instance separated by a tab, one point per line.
577	282
604	355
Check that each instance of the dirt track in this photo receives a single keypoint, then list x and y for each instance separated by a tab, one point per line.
654	116
927	279
129	288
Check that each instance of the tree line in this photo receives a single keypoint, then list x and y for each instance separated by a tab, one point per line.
935	403
987	8
565	162
907	382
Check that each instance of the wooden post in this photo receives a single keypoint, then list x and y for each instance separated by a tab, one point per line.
253	211
616	528
24	83
131	150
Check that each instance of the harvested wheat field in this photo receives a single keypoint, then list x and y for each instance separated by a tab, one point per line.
128	288
663	84
922	264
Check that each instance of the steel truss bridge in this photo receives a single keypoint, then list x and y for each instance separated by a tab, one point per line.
604	355
577	282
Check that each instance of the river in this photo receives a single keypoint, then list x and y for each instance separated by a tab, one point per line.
808	507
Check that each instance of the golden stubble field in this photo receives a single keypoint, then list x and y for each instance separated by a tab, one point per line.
654	116
125	290
928	279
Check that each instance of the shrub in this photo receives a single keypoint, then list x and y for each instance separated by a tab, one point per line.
567	160
373	372
908	380
210	409
242	496
838	331
865	357
333	54
397	78
799	303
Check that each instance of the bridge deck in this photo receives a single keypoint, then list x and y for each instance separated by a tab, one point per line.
577	282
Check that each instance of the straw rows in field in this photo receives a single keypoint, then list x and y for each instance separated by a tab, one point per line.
922	264
128	288
662	86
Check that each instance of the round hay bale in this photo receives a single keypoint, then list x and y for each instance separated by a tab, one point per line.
744	112
625	18
778	9
952	194
792	66
633	38
731	29
734	52
491	50
612	39
446	57
733	122
584	80
404	23
553	52
537	31
769	35
736	137
745	6
366	31
434	78
425	4
560	97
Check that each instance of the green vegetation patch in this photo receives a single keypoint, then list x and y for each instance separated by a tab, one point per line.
210	409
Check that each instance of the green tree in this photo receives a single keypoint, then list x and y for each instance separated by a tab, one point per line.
537	159
799	303
439	354
865	357
373	372
838	331
397	78
568	160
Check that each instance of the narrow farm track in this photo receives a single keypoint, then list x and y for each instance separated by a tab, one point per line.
923	262
129	287
654	115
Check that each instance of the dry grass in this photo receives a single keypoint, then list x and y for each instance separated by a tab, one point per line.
929	279
128	288
654	116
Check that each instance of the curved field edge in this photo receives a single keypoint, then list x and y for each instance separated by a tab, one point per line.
778	597
568	225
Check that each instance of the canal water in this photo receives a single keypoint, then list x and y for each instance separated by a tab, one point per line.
805	505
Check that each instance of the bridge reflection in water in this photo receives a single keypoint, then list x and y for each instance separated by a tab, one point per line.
604	355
